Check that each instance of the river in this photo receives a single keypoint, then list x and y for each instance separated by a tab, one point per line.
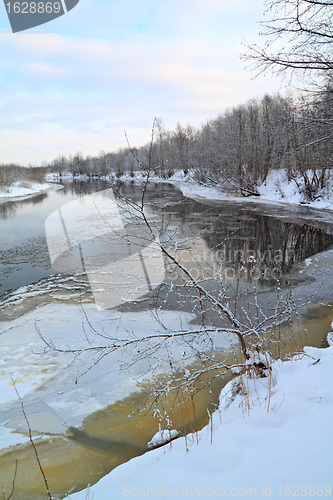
83	408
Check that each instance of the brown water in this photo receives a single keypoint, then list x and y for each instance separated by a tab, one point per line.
106	439
120	432
309	329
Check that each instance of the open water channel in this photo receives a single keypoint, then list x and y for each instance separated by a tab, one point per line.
84	412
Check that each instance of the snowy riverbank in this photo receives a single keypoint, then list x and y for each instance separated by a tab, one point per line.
23	190
275	190
281	447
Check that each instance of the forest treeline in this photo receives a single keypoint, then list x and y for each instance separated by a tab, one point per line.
236	150
11	172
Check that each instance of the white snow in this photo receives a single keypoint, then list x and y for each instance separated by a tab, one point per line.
277	187
329	338
275	190
23	190
281	451
162	437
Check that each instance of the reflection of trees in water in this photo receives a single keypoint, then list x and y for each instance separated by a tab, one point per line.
302	241
264	247
255	245
154	193
39	198
121	190
83	188
9	208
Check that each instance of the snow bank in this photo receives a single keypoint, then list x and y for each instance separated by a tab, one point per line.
279	453
23	190
277	187
192	189
162	437
275	190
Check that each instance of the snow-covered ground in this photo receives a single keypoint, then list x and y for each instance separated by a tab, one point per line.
23	190
278	188
281	447
275	190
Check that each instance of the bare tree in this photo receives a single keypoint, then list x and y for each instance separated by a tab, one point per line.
299	35
240	147
195	280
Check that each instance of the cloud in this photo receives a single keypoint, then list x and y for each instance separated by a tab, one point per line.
183	64
176	60
35	146
43	70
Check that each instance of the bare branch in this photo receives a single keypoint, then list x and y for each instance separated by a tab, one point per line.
32	442
14	479
301	33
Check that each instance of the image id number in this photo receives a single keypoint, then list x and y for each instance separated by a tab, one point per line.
33	7
305	490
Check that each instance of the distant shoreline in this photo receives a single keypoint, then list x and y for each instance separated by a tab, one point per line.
17	193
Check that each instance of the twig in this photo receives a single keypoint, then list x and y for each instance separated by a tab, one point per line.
32	442
14	479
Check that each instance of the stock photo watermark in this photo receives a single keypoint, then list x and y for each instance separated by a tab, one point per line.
24	15
108	242
123	258
196	490
231	264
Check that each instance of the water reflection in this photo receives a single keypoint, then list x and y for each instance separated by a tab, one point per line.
263	248
79	188
9	208
230	240
24	257
237	242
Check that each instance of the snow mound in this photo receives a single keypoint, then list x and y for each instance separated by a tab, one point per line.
163	437
278	187
22	190
329	338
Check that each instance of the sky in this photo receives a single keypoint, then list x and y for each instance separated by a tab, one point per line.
77	82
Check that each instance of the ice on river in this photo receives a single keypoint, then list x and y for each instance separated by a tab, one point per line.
61	388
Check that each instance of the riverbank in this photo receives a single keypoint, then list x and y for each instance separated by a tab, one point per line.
276	189
275	441
24	190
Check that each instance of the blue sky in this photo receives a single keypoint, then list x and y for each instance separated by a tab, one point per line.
76	83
